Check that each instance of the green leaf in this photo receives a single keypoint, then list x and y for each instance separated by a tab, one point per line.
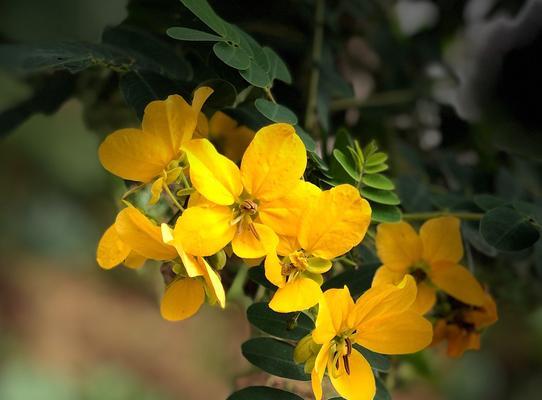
378	181
232	55
376	159
381	390
277	67
275	112
257	275
275	357
487	201
385	213
507	230
194	35
140	88
262	393
224	94
284	326
347	163
380	362
207	15
256	75
380	196
307	139
471	233
375	168
358	280
414	193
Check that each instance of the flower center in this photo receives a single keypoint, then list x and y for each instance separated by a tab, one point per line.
248	207
295	262
343	350
419	271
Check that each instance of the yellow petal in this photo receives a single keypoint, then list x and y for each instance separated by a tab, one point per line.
273	270
380	301
335	222
441	238
202	127
191	265
134	260
156	190
386	276
134	155
425	299
247	244
213	175
203	231
334	308
111	249
398	246
458	282
395	333
235	143
201	95
484	316
213	282
319	369
297	295
221	125
287	245
283	214
360	383
144	237
182	299
273	162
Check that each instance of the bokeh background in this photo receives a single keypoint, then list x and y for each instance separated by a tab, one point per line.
69	330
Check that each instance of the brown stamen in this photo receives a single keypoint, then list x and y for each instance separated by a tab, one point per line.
253	230
249	207
348	346
346	364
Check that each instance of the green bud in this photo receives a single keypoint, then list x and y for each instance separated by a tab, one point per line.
218	260
302	351
318	265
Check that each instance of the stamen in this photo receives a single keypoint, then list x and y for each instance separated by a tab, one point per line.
249	207
346	364
348	346
253	230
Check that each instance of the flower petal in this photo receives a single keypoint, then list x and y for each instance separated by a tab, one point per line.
134	260
458	282
360	383
246	244
203	231
156	190
319	370
273	270
144	237
395	333
386	276
383	300
335	222
297	295
134	155
213	175
441	238
111	249
273	162
334	307
283	214
213	282
398	246
425	298
182	299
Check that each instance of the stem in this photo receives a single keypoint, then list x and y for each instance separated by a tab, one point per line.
177	204
376	100
312	98
132	190
269	94
236	288
421	216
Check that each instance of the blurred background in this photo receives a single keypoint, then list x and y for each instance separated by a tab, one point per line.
450	88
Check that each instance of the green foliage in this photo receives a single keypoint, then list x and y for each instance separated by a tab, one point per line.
275	112
379	362
358	280
291	326
262	393
275	357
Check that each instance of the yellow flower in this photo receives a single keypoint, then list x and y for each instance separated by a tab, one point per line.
131	240
142	155
230	137
462	328
334	221
432	257
247	205
381	320
184	296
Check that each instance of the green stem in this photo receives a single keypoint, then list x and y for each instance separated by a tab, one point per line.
376	100
172	197
312	98
421	216
269	94
236	288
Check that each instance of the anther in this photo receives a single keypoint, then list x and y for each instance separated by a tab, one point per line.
346	364
348	346
249	207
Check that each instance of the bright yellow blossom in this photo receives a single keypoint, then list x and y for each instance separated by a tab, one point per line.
246	206
335	220
152	153
381	320
232	139
185	294
131	240
432	257
463	326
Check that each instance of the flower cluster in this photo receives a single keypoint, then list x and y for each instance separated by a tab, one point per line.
263	211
